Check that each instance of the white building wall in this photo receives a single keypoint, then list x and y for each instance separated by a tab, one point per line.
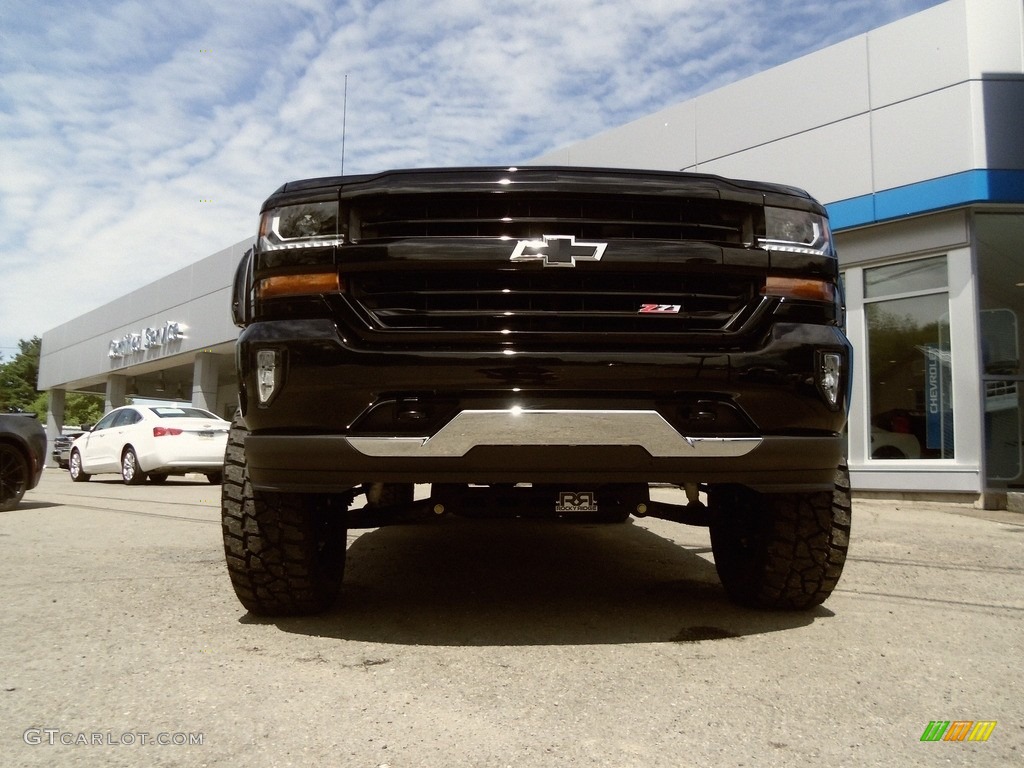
822	89
921	53
994	33
905	103
75	354
927	137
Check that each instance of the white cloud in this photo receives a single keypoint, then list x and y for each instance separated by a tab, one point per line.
117	121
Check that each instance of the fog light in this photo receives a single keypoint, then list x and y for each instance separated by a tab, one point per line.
829	377
266	374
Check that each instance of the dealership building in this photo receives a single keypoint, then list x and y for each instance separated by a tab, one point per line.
910	134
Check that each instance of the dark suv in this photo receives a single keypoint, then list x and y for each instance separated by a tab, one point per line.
539	341
22	455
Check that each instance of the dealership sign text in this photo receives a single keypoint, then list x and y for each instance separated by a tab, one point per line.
131	343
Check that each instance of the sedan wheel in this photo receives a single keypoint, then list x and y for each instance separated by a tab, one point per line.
130	472
75	468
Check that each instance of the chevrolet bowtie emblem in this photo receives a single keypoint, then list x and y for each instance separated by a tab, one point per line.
558	251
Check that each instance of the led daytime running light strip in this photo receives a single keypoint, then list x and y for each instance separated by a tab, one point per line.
266	245
783	245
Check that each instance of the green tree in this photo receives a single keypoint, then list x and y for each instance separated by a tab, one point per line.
18	377
18	392
83	409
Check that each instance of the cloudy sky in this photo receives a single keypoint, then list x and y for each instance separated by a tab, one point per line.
137	137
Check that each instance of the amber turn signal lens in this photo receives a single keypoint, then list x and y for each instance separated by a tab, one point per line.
800	288
297	285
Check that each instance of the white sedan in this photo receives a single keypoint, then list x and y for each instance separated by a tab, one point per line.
151	441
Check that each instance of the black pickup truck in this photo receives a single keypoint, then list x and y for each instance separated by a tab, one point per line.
22	456
539	341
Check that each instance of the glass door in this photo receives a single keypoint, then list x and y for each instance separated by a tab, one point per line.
999	243
910	399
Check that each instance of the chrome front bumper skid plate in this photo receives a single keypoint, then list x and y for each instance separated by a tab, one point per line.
518	427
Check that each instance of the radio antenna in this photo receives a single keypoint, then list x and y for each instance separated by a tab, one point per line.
344	118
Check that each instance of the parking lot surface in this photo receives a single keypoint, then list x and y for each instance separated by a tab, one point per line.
498	643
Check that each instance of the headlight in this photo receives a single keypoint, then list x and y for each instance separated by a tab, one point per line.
787	229
309	225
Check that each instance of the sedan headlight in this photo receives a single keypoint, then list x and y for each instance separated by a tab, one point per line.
788	229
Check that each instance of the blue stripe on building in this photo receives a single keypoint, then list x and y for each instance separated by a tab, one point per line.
978	186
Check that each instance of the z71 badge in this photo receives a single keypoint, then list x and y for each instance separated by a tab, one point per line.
660	309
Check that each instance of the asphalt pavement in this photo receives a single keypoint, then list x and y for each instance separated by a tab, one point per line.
499	643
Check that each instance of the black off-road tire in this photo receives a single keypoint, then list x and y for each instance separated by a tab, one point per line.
285	552
75	468
781	551
13	476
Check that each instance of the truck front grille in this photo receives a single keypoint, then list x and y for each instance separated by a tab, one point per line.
530	215
554	301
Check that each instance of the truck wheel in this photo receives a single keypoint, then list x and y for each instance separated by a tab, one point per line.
285	551
783	551
13	476
75	468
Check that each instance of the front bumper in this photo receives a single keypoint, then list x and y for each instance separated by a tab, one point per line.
341	416
331	463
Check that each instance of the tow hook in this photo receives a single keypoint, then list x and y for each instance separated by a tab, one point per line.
694	512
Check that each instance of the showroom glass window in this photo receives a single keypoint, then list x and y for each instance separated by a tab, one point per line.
906	306
999	243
